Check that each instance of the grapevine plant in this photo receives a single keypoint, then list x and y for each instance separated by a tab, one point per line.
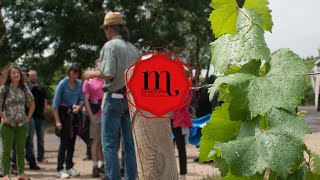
256	133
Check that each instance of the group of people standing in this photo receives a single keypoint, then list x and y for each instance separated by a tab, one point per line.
17	105
23	104
102	95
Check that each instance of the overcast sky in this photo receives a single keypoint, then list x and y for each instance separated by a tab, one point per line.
296	26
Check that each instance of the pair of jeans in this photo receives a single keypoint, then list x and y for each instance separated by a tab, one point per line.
181	145
39	126
67	142
85	134
115	117
29	146
10	134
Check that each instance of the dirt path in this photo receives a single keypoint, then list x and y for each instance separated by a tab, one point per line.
195	170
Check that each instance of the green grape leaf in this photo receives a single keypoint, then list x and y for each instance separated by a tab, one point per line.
246	45
251	67
222	165
233	69
300	174
249	128
316	164
261	6
219	128
224	94
312	175
282	86
232	177
279	148
223	17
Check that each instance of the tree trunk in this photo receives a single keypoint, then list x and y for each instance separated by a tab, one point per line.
5	50
207	74
2	28
197	64
153	145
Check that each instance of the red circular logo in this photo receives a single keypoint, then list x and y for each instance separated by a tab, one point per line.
159	84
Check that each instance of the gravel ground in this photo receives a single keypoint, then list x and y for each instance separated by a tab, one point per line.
195	170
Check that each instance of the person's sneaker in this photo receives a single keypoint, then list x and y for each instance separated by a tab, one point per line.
103	177
23	177
34	167
13	169
87	158
6	178
72	172
122	172
183	177
101	169
95	172
63	174
43	160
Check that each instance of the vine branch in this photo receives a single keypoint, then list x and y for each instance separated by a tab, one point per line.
308	162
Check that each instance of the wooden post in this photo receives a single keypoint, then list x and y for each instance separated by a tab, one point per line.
153	144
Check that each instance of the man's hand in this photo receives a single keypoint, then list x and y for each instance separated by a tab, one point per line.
89	74
28	119
76	108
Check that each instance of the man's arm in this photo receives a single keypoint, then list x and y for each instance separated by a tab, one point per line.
57	118
90	74
31	109
45	106
87	105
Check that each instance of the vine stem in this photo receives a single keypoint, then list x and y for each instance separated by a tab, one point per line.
312	74
206	85
209	85
251	22
308	163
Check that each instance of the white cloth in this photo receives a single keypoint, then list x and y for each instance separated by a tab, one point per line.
103	99
117	96
186	132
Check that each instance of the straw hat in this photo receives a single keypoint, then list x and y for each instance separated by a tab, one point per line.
113	18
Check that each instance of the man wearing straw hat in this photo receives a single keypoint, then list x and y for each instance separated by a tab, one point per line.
116	56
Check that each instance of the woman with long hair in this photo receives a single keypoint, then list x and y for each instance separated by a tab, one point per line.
68	101
15	96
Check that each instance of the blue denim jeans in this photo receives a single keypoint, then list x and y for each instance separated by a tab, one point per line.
29	144
39	126
115	117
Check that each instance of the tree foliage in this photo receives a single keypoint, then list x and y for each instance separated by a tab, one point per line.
56	32
257	132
